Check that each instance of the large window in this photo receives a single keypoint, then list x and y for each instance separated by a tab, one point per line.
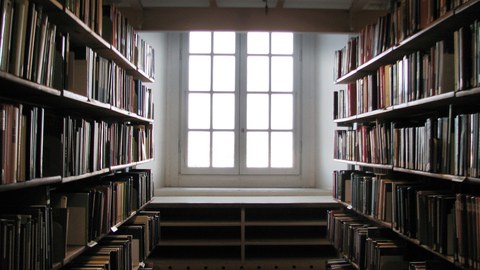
240	104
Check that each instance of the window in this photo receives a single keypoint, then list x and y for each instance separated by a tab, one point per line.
240	104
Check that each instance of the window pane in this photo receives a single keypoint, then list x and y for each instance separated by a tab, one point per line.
282	43
282	111
198	149
199	73
200	42
223	111
282	74
199	111
257	111
257	74
257	149
282	150
224	73
258	43
224	42
223	149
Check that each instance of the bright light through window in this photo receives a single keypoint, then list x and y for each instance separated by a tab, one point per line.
236	120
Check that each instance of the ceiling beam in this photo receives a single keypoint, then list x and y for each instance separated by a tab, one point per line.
136	4
248	19
358	5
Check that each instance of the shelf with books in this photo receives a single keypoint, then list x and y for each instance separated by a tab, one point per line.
81	33
423	39
449	177
25	88
119	201
74	251
408	202
449	259
67	179
354	225
52	138
433	138
74	101
369	217
363	164
365	244
31	183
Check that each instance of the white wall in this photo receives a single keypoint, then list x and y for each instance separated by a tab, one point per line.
157	40
326	44
322	125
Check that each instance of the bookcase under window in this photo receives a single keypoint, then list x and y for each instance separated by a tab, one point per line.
408	128
76	118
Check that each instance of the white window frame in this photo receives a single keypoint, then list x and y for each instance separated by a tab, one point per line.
240	167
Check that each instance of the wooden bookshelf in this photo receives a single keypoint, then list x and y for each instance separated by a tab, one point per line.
36	108
418	124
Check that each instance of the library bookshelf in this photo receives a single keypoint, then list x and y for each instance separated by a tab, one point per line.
76	119
408	129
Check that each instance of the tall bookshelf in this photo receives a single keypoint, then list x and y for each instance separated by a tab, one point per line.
76	119
408	129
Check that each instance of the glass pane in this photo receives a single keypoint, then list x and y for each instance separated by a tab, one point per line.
224	42
257	74
282	111
282	74
223	149
257	111
257	149
282	150
224	73
282	43
258	43
200	42
199	73
198	149
199	111
223	111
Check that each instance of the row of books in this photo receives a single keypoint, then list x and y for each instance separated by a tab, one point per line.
417	75
404	19
33	48
25	241
30	46
441	219
97	78
83	214
367	143
467	56
89	12
108	22
27	140
145	57
446	145
435	215
332	264
127	248
365	244
145	228
112	252
129	143
90	146
37	225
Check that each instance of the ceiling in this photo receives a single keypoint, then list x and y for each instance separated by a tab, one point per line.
274	15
